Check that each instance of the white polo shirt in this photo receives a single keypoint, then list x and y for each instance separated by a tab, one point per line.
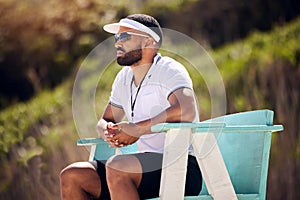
164	77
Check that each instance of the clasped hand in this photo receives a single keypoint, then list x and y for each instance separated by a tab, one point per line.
119	135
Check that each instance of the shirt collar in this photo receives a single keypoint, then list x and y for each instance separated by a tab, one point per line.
149	73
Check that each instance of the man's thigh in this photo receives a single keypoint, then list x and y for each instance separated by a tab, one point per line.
151	166
148	165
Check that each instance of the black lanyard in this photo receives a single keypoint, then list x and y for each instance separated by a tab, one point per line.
137	92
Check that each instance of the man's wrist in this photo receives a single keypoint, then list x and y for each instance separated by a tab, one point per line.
144	127
101	127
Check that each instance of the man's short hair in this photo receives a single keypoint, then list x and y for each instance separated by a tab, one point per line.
148	21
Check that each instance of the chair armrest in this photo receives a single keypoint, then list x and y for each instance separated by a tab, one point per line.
99	149
202	127
90	141
164	127
105	149
240	128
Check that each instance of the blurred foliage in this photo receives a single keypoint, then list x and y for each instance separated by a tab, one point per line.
42	41
217	22
30	133
251	58
263	71
17	120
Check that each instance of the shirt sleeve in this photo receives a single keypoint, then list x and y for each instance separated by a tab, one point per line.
177	78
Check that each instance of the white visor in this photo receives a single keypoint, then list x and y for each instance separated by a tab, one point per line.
114	28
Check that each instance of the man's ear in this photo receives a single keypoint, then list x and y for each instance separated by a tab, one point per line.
150	42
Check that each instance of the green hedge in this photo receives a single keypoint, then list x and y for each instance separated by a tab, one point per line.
16	121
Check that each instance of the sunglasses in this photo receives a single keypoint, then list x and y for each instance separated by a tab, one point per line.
125	36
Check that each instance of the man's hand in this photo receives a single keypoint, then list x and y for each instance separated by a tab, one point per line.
106	132
102	128
126	133
117	135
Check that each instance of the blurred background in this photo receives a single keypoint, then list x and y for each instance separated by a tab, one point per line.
255	45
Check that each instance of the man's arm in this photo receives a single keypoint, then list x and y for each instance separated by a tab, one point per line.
112	114
182	109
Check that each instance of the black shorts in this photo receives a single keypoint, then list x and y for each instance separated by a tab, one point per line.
149	187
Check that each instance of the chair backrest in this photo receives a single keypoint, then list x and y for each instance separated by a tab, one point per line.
246	154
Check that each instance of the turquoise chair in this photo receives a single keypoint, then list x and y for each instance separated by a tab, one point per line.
243	140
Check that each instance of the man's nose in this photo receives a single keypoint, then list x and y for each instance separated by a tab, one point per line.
118	44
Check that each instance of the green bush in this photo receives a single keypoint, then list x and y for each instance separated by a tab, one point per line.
16	121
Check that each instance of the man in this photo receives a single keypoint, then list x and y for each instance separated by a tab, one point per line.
150	89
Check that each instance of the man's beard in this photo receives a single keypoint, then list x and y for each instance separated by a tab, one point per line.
130	58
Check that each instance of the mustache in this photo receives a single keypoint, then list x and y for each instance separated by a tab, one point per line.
121	49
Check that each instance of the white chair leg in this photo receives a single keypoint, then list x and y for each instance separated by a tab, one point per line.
175	164
212	166
92	152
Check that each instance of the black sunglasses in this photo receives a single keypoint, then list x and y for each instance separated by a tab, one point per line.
125	36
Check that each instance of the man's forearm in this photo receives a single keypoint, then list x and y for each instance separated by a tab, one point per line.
172	114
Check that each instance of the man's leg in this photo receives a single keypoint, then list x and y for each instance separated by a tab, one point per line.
79	180
124	175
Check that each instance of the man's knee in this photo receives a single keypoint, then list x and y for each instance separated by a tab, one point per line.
81	180
74	173
68	175
123	168
124	163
